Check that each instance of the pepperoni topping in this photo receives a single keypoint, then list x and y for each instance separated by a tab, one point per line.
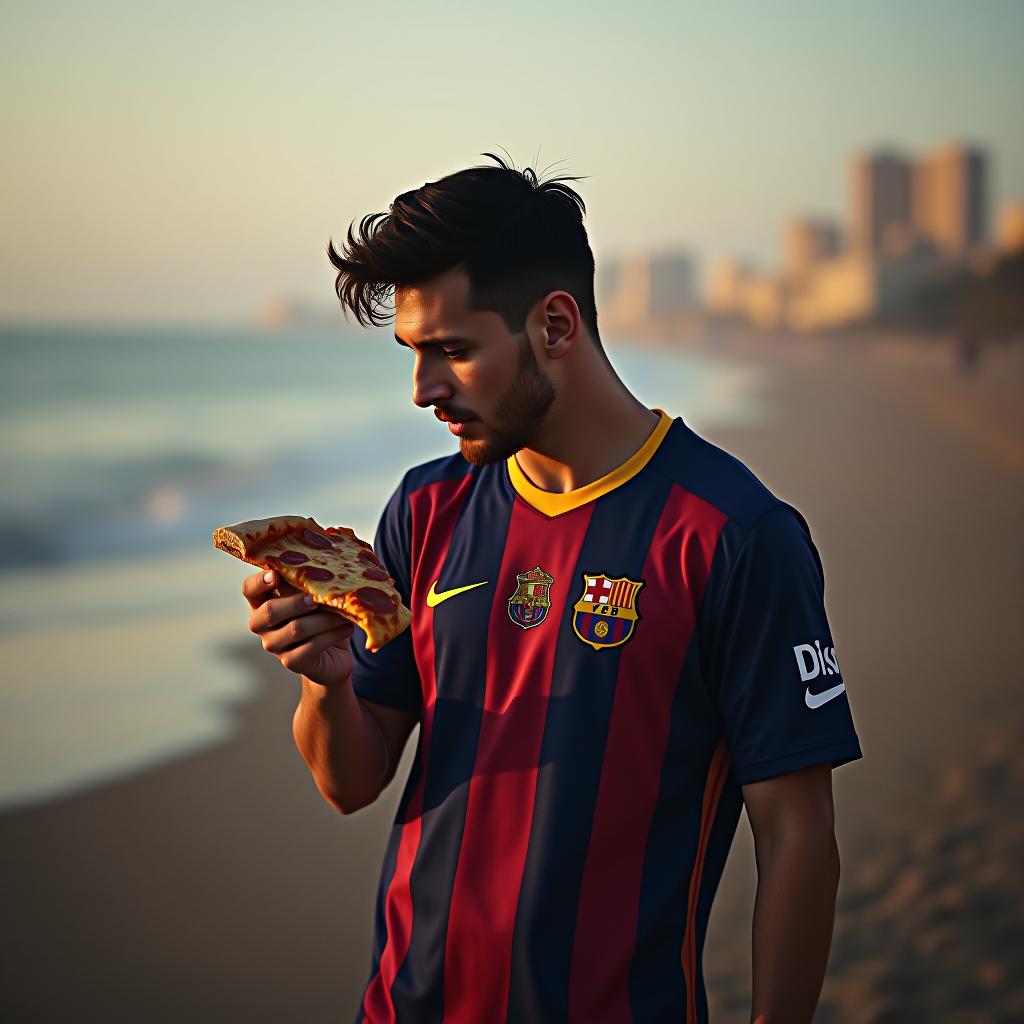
313	572
375	574
316	540
367	557
347	533
293	557
374	599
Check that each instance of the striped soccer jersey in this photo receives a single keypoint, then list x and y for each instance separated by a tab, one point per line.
597	673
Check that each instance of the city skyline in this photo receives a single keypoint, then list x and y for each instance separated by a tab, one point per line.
914	221
187	170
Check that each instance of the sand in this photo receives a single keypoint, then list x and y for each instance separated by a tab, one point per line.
220	887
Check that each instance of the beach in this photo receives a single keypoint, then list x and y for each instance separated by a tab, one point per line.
221	887
912	477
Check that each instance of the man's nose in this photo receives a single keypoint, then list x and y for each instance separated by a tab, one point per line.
431	383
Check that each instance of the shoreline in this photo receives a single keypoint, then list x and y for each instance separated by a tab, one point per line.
81	611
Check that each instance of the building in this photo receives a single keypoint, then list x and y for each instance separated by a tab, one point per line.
648	288
915	225
881	187
292	312
950	205
806	242
606	279
724	286
764	300
1010	228
856	286
671	283
837	291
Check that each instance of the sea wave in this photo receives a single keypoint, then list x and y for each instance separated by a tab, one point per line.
75	510
132	449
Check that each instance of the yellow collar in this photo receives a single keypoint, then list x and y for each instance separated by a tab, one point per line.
552	504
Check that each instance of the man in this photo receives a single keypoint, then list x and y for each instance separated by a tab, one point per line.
618	639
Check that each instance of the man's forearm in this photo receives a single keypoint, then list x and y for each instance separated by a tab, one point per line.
794	912
342	745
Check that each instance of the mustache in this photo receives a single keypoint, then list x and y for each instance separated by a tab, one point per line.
449	415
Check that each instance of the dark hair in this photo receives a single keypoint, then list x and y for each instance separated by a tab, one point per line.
517	238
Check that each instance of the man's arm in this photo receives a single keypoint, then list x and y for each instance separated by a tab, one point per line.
792	819
352	746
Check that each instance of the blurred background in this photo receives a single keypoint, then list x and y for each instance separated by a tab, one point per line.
809	228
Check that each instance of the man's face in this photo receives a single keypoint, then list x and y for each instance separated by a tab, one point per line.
482	379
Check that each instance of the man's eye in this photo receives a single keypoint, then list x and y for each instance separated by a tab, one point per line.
455	354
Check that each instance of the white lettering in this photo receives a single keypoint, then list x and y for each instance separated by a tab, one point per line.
813	660
821	658
830	656
807	662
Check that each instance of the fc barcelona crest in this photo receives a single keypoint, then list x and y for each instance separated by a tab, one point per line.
529	605
606	615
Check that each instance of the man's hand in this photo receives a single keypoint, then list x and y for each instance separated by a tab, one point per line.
305	637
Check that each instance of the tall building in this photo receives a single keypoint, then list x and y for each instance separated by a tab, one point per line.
806	242
650	286
951	198
882	207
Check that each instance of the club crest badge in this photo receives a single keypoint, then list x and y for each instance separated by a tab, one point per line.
606	615
529	605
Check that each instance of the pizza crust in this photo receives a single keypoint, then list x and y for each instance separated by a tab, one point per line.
242	539
332	565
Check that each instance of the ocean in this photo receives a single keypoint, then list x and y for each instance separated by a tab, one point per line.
121	452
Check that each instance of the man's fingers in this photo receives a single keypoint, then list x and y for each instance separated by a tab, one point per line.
298	630
278	610
261	586
297	658
255	589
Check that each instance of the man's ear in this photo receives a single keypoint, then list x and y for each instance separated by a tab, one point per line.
561	323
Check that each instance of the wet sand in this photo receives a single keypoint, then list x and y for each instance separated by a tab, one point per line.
222	888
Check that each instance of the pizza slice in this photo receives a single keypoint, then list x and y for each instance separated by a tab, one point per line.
330	564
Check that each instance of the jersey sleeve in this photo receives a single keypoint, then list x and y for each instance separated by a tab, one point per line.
771	660
390	676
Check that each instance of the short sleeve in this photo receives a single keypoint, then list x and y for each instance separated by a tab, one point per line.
770	657
390	676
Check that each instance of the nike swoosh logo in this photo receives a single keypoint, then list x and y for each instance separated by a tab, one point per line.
815	700
434	598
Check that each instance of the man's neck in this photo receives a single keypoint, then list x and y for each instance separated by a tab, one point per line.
584	440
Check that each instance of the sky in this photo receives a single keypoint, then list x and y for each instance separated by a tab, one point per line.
182	163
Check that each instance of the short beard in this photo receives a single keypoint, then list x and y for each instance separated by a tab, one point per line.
520	412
